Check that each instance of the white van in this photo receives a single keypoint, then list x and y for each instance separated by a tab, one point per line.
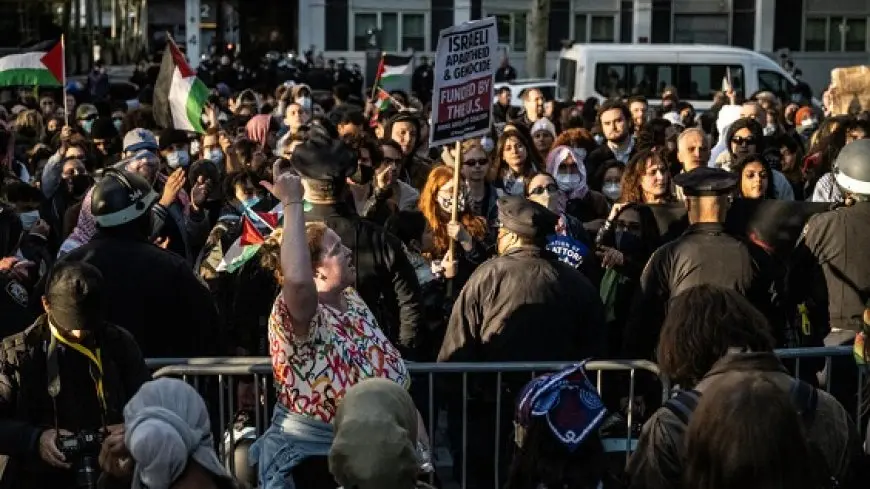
697	71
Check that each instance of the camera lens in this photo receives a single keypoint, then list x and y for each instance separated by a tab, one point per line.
87	473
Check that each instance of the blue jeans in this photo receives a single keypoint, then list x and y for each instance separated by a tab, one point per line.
290	439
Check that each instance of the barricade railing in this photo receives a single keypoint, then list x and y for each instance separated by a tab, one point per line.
221	377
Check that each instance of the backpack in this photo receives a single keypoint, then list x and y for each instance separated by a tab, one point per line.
803	396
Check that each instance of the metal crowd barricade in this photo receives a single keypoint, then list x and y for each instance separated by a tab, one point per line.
227	372
218	377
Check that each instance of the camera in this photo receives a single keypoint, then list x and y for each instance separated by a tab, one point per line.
82	450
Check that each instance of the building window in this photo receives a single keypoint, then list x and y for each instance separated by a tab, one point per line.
701	29
413	32
511	29
835	34
399	31
594	28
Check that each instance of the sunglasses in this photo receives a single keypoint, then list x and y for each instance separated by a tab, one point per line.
550	189
477	162
743	141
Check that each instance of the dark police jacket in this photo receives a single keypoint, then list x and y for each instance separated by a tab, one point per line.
26	409
385	279
155	296
703	255
832	261
525	305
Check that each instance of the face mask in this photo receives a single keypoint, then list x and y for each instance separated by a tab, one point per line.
87	126
79	184
248	204
117	124
363	175
304	102
569	182
177	158
446	204
627	240
216	155
599	139
612	191
769	130
28	219
796	97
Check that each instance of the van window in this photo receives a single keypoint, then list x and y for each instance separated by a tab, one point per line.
694	82
567	76
772	81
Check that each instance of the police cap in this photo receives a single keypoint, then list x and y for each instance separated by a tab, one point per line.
706	182
76	296
526	218
324	159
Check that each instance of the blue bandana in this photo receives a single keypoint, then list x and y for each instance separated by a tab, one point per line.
567	400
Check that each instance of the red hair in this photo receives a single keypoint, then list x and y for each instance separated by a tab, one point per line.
435	216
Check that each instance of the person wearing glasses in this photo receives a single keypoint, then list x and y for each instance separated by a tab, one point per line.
570	241
86	114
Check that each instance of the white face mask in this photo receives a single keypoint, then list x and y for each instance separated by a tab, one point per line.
612	191
28	219
304	102
176	159
769	130
216	155
569	182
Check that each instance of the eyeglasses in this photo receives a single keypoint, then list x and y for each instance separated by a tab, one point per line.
390	161
476	162
550	189
739	141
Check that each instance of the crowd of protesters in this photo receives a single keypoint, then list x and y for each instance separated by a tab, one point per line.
316	230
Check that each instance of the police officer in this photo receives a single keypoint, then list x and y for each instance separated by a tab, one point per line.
544	309
524	305
704	255
385	279
154	294
832	268
63	380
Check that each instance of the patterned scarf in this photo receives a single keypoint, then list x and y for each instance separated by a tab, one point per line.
568	401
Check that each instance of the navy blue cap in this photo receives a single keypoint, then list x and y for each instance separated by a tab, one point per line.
526	218
705	181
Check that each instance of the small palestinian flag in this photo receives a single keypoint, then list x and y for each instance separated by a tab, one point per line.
34	69
392	68
250	241
382	102
179	96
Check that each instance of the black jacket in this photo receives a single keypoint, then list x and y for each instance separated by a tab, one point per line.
156	296
525	306
385	280
703	255
26	409
832	265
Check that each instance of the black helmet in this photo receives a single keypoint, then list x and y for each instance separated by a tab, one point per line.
852	168
120	197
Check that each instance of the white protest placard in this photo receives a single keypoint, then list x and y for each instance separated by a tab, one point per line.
462	95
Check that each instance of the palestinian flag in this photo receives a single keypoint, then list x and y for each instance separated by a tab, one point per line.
382	102
179	96
394	72
35	68
248	244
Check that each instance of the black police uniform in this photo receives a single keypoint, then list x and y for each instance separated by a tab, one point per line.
525	305
385	279
704	255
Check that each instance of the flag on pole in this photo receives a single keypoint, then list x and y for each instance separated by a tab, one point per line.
179	96
36	68
382	102
394	71
249	242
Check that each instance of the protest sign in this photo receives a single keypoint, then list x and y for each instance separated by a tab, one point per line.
464	68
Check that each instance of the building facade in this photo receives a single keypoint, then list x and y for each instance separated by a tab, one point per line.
817	34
